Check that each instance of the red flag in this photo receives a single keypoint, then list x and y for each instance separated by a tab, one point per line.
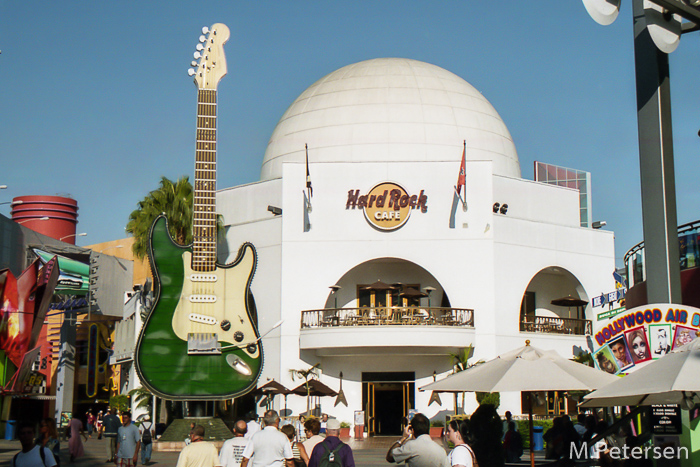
462	179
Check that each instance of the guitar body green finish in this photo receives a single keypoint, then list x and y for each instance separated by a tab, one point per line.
162	359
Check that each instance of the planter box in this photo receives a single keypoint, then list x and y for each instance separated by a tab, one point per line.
345	433
436	431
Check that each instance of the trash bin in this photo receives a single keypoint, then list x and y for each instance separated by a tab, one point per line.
538	438
10	426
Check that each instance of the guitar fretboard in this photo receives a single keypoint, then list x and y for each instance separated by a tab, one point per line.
204	222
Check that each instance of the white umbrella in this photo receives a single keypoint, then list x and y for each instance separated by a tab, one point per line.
525	369
672	379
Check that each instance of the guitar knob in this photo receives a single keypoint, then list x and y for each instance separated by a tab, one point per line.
238	336
191	72
205	30
226	325
197	55
200	47
251	348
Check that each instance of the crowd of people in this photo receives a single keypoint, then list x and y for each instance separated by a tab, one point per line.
484	440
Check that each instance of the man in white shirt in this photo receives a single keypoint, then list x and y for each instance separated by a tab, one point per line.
253	425
231	453
270	447
30	456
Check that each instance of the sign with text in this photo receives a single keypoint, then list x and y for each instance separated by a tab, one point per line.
666	420
388	205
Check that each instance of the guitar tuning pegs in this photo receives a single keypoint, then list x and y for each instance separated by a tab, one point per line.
200	47
202	39
197	55
194	63
205	30
191	72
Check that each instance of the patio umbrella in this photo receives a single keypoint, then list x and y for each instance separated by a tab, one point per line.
271	389
568	302
379	286
672	379
525	369
316	388
411	292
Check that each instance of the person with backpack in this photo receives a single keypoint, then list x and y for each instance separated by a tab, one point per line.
31	455
146	430
332	452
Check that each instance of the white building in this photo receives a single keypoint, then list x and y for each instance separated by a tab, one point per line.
403	122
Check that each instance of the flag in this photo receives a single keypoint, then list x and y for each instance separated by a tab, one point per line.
308	176
620	281
462	179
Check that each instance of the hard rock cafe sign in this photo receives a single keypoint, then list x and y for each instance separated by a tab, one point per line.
387	206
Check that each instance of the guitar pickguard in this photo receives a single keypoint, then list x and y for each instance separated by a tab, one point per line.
215	302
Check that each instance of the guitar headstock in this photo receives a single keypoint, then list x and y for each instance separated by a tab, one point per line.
210	61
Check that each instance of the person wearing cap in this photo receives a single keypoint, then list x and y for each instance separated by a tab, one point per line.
331	443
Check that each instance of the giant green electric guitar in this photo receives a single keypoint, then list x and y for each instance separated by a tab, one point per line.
200	341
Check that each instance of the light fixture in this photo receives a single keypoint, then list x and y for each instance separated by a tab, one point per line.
45	218
3	187
598	224
335	289
504	209
495	207
429	290
274	210
83	234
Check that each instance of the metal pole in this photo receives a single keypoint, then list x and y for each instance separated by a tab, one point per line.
656	165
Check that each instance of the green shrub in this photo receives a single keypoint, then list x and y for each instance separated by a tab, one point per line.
437	423
344	425
489	398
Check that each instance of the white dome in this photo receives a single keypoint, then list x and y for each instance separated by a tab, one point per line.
390	110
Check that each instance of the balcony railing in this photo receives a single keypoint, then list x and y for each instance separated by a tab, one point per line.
552	325
387	316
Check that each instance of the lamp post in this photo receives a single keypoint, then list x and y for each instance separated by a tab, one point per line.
73	235
429	290
45	218
335	289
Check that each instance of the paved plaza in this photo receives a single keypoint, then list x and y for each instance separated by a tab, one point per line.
367	453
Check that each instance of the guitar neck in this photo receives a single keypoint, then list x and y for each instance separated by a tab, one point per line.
204	222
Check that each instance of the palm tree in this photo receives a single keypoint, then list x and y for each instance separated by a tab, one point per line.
460	362
307	374
175	199
142	397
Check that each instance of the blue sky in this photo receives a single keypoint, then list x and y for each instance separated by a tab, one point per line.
96	102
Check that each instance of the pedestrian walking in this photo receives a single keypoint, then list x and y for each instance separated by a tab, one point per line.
31	454
146	431
332	449
128	443
110	427
48	438
462	455
75	444
198	453
231	453
268	447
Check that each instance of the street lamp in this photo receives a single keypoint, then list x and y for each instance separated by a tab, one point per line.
45	218
72	235
429	290
110	247
12	203
335	289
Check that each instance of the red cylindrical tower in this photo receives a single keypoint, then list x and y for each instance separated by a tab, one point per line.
54	216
